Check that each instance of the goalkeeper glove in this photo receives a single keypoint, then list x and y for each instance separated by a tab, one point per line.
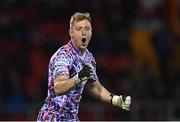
84	74
122	102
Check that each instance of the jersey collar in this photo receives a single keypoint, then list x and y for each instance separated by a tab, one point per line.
75	49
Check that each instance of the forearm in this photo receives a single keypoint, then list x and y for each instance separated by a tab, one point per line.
105	95
63	85
99	92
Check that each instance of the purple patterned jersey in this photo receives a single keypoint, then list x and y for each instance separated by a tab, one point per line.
66	61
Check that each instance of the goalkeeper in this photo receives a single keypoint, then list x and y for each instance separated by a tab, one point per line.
70	68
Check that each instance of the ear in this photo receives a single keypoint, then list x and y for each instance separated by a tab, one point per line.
70	32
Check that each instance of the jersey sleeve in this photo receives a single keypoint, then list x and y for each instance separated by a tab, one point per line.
94	76
61	65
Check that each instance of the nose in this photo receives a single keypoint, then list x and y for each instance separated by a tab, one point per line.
83	32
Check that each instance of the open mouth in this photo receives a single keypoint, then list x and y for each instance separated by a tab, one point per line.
83	40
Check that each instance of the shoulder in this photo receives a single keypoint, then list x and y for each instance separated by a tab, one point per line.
63	52
90	56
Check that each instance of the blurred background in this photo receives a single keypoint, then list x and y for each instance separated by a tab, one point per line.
136	44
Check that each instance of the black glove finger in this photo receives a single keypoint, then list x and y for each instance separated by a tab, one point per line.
124	97
85	67
88	67
90	71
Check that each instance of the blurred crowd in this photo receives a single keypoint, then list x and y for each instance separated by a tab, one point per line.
136	44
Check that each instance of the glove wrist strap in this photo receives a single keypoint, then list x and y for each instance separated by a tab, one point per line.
76	79
111	97
115	100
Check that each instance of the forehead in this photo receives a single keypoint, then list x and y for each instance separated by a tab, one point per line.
82	23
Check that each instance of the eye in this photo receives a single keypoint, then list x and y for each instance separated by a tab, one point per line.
87	29
78	29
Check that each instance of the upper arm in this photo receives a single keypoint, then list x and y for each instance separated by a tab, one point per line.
60	66
94	87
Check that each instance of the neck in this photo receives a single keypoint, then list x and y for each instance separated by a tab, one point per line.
80	51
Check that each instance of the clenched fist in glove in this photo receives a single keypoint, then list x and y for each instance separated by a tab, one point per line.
84	74
122	102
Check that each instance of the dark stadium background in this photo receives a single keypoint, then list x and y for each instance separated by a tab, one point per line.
136	44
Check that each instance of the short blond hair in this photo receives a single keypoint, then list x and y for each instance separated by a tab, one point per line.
78	16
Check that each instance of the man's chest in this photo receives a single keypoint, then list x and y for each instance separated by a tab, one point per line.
78	62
